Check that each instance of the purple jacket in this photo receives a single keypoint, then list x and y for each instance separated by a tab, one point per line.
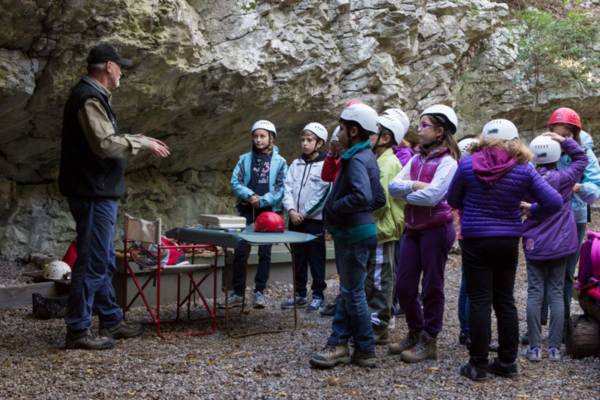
423	169
404	154
556	236
488	187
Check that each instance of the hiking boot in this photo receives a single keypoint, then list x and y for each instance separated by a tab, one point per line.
364	360
260	301
472	372
407	343
331	356
328	310
382	336
315	304
504	370
533	354
233	301
554	354
425	349
289	303
122	330
87	341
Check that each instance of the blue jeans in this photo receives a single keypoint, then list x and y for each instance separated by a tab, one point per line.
352	317
91	279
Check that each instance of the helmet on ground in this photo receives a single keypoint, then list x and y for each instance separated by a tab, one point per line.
394	125
401	116
545	150
57	270
565	115
446	113
317	129
266	125
465	146
363	115
501	129
335	136
269	222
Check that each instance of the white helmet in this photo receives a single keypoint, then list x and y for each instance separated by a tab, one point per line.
335	136
501	129
393	124
444	111
401	116
465	146
264	124
363	115
57	270
317	129
545	150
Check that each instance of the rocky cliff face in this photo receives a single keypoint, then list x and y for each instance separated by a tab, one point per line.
205	70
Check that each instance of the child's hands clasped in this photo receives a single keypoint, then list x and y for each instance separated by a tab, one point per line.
295	217
525	209
254	201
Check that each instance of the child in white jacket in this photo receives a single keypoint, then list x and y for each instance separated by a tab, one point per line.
303	200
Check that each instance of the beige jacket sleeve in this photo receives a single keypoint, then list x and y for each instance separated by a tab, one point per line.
101	135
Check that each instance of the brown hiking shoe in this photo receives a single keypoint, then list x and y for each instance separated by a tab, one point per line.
364	360
408	342
87	341
122	330
425	349
382	337
331	356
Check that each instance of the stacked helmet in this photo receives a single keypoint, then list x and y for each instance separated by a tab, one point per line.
319	130
545	150
269	222
394	125
565	115
57	270
266	125
400	116
335	136
465	146
446	113
363	115
501	129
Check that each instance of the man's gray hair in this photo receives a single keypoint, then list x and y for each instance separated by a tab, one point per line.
97	66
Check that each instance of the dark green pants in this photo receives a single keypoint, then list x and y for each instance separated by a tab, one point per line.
379	286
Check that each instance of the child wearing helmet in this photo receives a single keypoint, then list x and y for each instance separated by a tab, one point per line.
429	232
258	185
389	220
548	243
303	200
348	214
488	188
404	150
567	123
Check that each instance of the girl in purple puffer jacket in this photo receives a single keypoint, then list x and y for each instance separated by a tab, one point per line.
488	187
548	243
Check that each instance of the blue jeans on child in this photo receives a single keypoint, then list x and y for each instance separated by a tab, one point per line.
352	316
545	279
91	279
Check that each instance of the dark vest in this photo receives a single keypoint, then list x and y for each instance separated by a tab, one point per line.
82	172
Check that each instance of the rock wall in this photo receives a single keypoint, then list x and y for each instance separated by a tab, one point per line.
205	70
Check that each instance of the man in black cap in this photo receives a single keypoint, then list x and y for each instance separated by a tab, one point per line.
92	177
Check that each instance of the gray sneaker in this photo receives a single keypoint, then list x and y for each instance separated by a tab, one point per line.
233	301
260	301
315	304
554	354
533	354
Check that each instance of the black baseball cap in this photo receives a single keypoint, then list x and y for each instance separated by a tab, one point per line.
105	52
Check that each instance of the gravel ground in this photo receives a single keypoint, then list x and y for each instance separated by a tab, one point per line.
34	365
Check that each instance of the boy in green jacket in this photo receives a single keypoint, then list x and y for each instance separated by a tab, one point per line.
389	220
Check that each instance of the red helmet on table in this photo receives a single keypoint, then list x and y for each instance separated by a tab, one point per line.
269	222
565	115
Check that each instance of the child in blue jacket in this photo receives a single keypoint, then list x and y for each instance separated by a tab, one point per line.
257	182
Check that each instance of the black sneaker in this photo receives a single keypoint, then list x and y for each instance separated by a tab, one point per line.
328	310
122	330
464	340
505	371
473	373
87	341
